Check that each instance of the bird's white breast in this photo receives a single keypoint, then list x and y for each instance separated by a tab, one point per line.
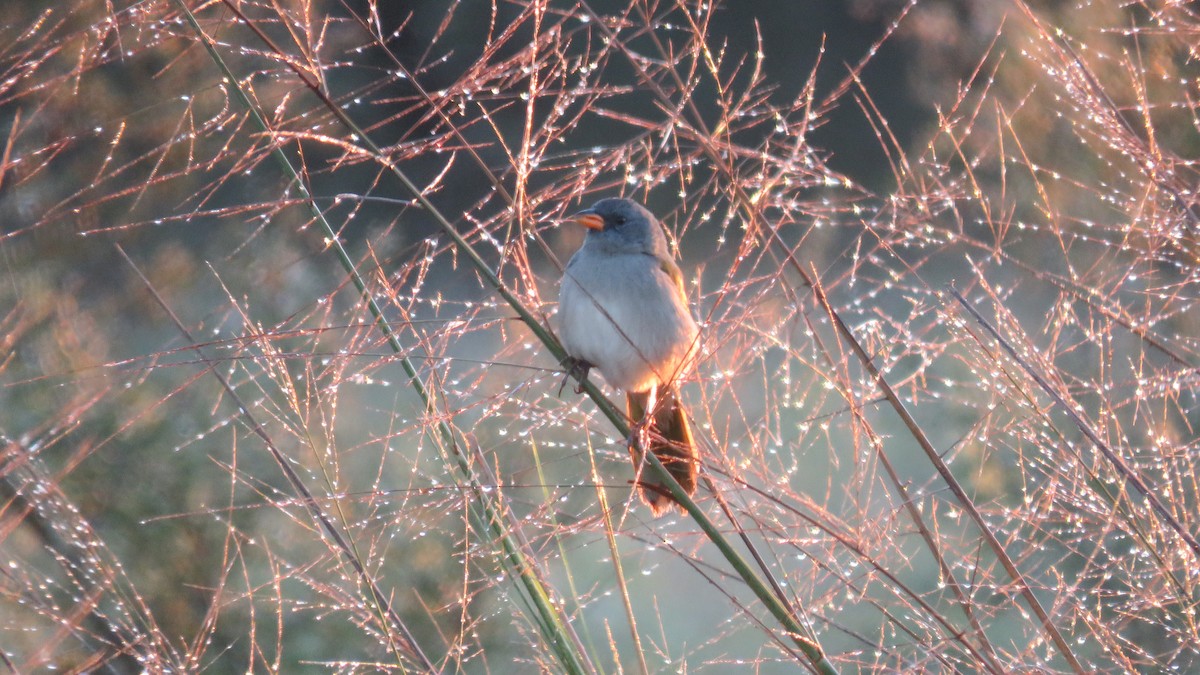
624	315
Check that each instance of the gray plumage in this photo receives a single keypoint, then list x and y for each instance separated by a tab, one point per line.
623	310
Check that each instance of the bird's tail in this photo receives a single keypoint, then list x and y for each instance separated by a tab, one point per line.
669	438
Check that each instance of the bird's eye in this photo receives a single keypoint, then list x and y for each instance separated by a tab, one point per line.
619	220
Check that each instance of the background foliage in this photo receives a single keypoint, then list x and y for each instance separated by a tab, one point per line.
845	184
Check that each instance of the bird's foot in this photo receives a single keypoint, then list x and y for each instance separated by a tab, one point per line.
578	369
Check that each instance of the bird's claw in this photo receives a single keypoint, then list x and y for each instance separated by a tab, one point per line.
577	368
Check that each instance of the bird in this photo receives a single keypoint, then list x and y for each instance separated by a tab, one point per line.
623	310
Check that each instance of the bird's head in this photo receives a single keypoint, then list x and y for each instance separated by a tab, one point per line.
622	226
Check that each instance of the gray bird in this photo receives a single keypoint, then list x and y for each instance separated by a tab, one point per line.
622	309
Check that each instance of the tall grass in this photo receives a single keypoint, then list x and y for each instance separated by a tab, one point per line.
279	386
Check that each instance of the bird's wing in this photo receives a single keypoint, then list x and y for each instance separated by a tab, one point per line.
672	270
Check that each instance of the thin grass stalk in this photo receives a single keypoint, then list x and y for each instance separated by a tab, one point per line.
507	530
554	627
804	639
745	537
618	569
562	551
1127	472
914	513
951	632
943	470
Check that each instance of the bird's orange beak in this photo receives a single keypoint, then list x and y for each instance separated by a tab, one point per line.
588	220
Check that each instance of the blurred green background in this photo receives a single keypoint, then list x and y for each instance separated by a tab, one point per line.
120	134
